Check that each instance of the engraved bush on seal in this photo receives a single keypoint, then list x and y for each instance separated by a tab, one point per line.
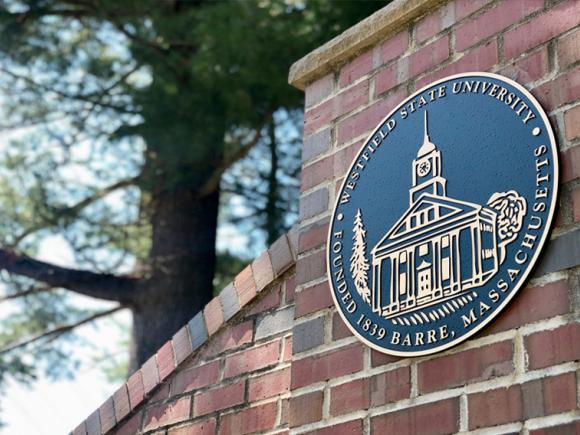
511	209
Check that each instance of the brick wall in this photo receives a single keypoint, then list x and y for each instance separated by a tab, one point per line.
270	354
521	373
226	371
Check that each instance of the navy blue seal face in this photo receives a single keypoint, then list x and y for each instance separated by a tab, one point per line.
442	214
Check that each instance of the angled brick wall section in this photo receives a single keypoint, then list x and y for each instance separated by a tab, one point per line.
227	370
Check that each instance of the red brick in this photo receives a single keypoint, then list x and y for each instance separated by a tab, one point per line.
166	414
268	302
81	429
565	89
432	24
204	427
542	28
318	90
281	255
195	377
322	367
463	8
481	58
107	415
495	407
356	69
150	375
570	162
214	316
531	68
93	424
386	79
250	420
290	288
312	299
390	386
285	413
572	122
219	398
263	272
182	345
547	348
441	417
161	393
473	365
363	122
135	389
429	56
569	49
306	408
339	328
313	236
339	105
531	305
121	401
344	157
313	203
287	349
491	22
269	385
231	338
562	429
349	397
165	360
311	267
245	286
316	173
559	393
131	426
394	46
381	359
252	359
353	427
576	204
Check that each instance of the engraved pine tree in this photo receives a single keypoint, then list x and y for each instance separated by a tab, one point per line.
359	264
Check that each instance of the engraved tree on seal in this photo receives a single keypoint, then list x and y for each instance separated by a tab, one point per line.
359	265
438	250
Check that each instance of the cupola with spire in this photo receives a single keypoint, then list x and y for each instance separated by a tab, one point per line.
427	171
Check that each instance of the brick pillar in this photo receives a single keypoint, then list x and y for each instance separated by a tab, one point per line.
519	373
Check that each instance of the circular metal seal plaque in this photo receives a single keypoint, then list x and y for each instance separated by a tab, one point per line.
442	214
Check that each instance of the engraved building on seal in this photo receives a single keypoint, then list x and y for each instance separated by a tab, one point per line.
439	249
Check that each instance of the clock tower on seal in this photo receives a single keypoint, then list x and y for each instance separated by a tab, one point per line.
427	176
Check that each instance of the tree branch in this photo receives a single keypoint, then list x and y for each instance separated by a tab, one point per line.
24	293
60	330
98	285
73	210
213	181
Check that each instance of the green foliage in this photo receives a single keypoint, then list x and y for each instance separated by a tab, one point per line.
106	103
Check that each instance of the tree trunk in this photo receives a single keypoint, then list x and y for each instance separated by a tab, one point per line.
182	262
273	212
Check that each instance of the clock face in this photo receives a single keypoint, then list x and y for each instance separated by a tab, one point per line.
424	168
